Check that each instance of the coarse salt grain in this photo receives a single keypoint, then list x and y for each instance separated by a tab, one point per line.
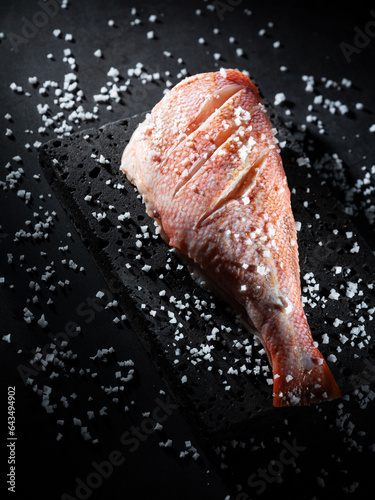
113	72
279	98
334	295
42	322
332	358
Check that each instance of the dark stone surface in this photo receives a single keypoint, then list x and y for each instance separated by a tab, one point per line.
74	174
47	268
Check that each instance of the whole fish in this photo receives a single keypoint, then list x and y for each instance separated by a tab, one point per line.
207	164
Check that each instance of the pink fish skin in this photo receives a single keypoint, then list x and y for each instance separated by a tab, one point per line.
208	167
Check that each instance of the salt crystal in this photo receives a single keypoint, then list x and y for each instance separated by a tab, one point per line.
113	72
325	338
355	248
223	73
42	322
343	108
334	295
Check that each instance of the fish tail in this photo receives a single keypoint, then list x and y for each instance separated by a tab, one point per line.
301	376
306	386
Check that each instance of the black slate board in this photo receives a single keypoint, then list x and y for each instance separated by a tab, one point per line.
74	171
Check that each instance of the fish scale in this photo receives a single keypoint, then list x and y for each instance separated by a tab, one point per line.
230	208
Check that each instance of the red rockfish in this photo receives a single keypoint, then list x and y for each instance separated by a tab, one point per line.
208	166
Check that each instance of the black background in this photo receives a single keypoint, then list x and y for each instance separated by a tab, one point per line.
311	38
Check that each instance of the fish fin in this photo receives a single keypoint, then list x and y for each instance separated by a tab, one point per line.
307	386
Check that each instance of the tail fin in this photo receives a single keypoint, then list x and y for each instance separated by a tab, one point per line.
301	376
304	386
